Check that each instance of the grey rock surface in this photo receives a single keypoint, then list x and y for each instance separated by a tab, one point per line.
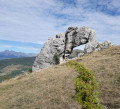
63	46
118	52
80	54
95	46
77	36
106	44
49	49
91	46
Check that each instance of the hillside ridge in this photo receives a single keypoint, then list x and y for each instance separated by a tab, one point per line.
54	86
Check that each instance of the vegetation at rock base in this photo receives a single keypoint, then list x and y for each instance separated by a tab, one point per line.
30	70
56	59
86	87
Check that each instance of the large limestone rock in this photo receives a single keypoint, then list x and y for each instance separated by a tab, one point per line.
50	48
77	36
63	45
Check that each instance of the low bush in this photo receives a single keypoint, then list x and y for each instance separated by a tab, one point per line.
56	59
30	70
85	87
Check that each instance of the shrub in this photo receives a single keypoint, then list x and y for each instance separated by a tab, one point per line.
86	87
56	59
3	78
30	70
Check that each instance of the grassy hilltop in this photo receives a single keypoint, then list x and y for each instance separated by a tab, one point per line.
53	88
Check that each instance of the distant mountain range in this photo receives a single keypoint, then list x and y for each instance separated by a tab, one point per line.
9	54
13	54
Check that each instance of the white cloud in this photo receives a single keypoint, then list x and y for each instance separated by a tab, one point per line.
26	49
114	4
35	21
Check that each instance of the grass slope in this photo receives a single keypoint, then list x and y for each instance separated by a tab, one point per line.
53	88
50	88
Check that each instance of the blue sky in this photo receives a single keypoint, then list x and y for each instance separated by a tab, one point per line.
26	24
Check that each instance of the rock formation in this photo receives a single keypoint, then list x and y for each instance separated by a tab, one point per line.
63	45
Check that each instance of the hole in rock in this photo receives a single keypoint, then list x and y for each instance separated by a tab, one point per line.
76	51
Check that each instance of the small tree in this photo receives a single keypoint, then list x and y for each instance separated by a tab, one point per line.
30	70
56	59
85	87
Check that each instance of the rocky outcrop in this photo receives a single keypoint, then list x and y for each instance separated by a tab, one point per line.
49	49
77	36
63	45
104	45
92	46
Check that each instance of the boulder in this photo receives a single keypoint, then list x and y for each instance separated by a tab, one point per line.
107	44
89	47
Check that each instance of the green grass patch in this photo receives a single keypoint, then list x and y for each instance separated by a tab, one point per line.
30	70
85	87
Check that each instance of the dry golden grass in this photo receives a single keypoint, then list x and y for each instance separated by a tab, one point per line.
106	66
53	88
